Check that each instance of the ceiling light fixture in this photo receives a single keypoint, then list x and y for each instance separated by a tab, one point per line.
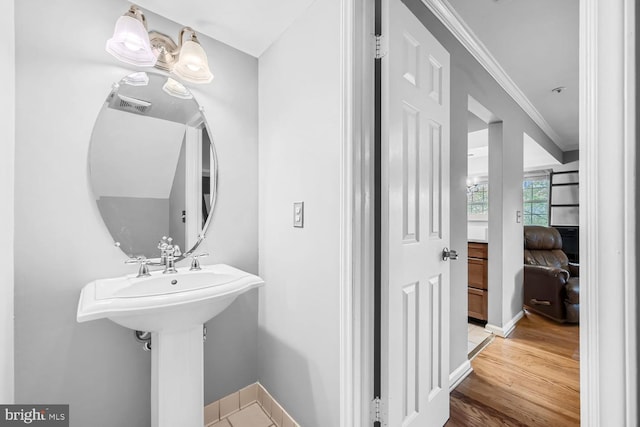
130	42
472	186
133	44
558	89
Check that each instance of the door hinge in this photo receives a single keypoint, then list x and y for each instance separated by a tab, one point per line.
376	411
378	52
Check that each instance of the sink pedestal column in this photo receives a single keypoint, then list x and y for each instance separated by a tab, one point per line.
177	381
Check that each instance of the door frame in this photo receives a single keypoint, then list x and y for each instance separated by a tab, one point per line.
608	218
357	52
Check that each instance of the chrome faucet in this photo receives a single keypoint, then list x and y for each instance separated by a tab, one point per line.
168	254
143	266
162	245
171	252
195	261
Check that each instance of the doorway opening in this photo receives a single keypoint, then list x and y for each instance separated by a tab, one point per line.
477	233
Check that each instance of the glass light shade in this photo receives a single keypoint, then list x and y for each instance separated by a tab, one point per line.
193	65
136	79
176	89
130	43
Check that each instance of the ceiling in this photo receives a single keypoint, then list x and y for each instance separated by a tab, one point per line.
162	105
536	43
475	123
248	25
534	156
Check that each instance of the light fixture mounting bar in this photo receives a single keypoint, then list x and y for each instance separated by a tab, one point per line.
166	49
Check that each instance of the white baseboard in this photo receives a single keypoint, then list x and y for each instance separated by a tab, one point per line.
459	374
507	328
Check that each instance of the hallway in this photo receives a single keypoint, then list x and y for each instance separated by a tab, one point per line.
531	378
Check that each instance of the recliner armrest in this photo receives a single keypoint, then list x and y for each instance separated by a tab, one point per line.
544	290
574	269
544	273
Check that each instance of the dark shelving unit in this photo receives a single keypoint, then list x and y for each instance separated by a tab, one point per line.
564	210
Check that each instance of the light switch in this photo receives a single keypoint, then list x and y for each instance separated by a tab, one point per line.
298	214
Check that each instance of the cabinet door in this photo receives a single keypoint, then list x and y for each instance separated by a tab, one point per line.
477	299
478	250
478	273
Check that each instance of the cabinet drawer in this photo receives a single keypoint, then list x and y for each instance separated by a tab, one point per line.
478	250
477	299
478	273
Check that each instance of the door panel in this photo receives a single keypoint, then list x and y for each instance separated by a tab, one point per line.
415	223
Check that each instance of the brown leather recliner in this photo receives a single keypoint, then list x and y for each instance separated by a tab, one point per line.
551	282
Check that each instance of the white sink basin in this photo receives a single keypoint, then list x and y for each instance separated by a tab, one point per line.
165	301
173	307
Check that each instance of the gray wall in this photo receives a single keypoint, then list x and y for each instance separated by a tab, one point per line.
571	156
63	76
136	223
178	200
300	161
469	78
637	183
7	138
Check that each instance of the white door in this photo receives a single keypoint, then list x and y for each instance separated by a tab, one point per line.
415	223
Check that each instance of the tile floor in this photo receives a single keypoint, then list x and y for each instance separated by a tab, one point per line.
252	406
477	339
250	416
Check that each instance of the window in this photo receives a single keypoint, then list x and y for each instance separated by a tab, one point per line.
535	192
478	201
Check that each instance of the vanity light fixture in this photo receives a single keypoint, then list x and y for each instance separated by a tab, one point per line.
130	42
187	60
134	44
176	89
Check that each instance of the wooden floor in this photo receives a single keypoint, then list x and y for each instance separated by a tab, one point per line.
530	378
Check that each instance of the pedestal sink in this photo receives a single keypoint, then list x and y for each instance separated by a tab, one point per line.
173	307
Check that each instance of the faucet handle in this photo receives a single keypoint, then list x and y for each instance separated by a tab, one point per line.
195	262
143	265
162	244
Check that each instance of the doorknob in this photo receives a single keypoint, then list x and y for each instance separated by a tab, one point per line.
449	254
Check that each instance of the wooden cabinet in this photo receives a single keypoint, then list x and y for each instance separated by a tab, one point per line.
478	272
477	303
478	250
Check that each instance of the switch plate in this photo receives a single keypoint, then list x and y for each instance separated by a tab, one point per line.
298	214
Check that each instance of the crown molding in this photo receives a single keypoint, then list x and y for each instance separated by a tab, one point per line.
461	31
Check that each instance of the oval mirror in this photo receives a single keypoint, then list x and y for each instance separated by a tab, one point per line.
152	165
